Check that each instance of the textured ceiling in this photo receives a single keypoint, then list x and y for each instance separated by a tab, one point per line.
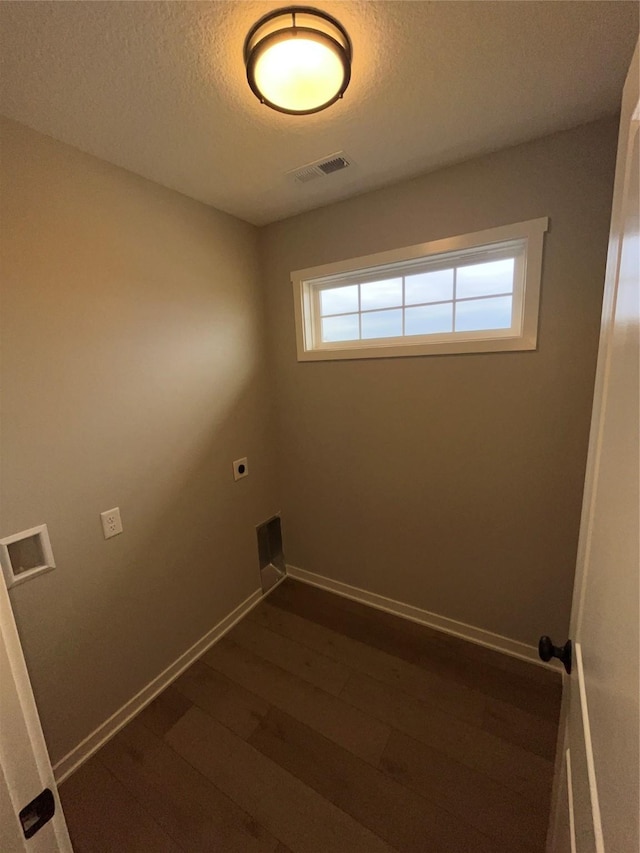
159	89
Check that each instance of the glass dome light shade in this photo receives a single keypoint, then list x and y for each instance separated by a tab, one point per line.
298	69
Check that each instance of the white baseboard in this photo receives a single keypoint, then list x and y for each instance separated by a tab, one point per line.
105	731
497	642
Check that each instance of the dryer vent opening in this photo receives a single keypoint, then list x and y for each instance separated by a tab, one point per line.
270	553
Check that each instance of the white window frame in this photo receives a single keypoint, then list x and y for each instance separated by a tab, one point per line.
308	283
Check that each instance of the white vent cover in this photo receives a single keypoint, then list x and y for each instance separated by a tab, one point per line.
321	168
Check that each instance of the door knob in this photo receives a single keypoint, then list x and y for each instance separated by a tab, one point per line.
547	650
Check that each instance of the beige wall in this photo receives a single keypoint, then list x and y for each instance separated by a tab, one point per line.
133	373
452	483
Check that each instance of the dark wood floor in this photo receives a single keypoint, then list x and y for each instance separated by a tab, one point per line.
320	725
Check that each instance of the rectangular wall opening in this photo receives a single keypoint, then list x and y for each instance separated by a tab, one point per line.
270	553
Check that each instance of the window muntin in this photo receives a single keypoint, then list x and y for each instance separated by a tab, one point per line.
463	294
469	297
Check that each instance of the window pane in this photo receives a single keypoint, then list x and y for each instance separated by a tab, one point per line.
429	319
339	300
485	279
434	286
481	314
382	324
381	294
345	328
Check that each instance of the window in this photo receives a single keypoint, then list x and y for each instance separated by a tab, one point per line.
474	293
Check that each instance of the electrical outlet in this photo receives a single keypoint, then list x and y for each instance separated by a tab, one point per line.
111	522
240	468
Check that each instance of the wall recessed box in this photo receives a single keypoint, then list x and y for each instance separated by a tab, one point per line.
270	553
25	555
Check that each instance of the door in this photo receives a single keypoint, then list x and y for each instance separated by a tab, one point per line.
597	778
25	770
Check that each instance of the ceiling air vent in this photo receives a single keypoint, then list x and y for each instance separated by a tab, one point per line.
333	165
303	176
320	168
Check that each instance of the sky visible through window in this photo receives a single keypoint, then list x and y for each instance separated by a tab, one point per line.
475	297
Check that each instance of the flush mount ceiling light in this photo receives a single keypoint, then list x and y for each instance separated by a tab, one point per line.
298	60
